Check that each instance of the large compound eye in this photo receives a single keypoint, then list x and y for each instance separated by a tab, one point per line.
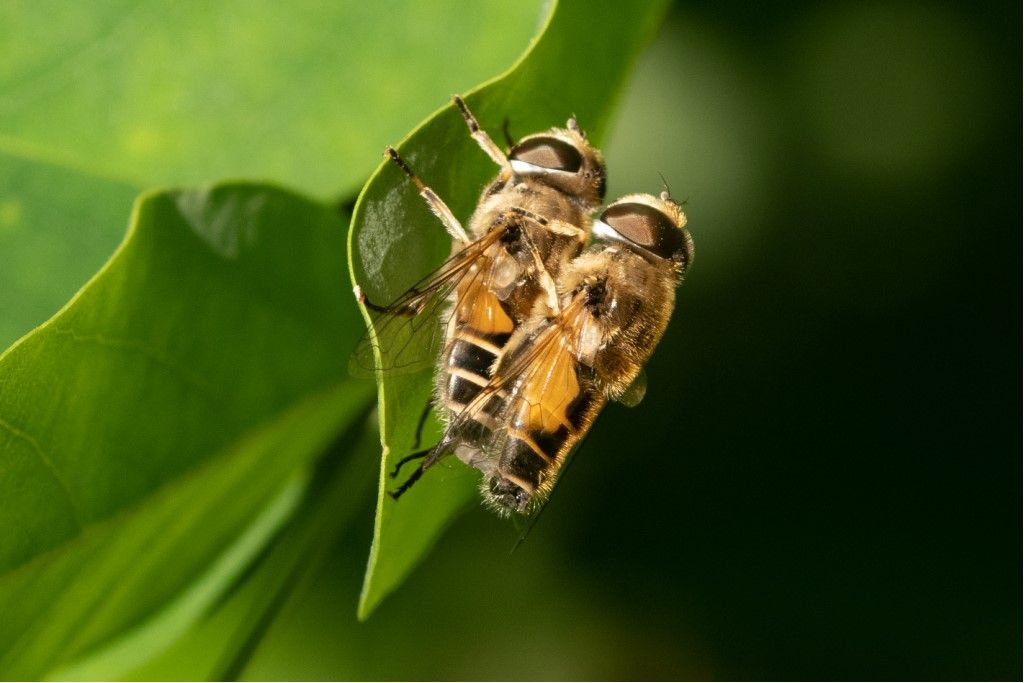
648	228
546	153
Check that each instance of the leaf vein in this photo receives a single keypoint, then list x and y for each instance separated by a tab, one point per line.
76	514
145	350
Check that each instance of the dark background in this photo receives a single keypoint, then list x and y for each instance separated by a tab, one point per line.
824	479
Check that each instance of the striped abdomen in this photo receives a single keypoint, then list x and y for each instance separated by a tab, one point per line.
551	407
477	333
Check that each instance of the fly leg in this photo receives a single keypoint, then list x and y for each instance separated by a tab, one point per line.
409	458
544	278
397	493
429	455
418	455
419	434
419	427
509	141
436	204
554	225
483	139
405	311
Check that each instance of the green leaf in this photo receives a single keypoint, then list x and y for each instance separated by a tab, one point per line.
578	65
102	100
57	227
183	92
138	645
147	425
219	645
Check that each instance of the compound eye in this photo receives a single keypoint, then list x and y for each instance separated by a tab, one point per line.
547	153
647	228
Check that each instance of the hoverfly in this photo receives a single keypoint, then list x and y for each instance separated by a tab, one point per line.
562	365
534	217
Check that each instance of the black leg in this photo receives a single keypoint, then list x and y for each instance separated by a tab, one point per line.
508	136
372	306
422	423
408	483
409	458
406	311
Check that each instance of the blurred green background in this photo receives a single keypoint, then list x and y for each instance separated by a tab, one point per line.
824	478
823	481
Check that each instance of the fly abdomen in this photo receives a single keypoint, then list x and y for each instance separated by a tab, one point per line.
468	365
543	434
462	387
467	370
528	454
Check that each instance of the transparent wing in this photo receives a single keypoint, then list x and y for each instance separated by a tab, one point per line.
532	383
498	400
408	333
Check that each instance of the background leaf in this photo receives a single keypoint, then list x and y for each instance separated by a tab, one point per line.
157	92
57	227
219	645
221	326
394	239
100	102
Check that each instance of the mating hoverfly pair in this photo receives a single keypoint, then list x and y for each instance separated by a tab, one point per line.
540	327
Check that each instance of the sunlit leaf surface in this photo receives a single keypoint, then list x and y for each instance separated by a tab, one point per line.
183	92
